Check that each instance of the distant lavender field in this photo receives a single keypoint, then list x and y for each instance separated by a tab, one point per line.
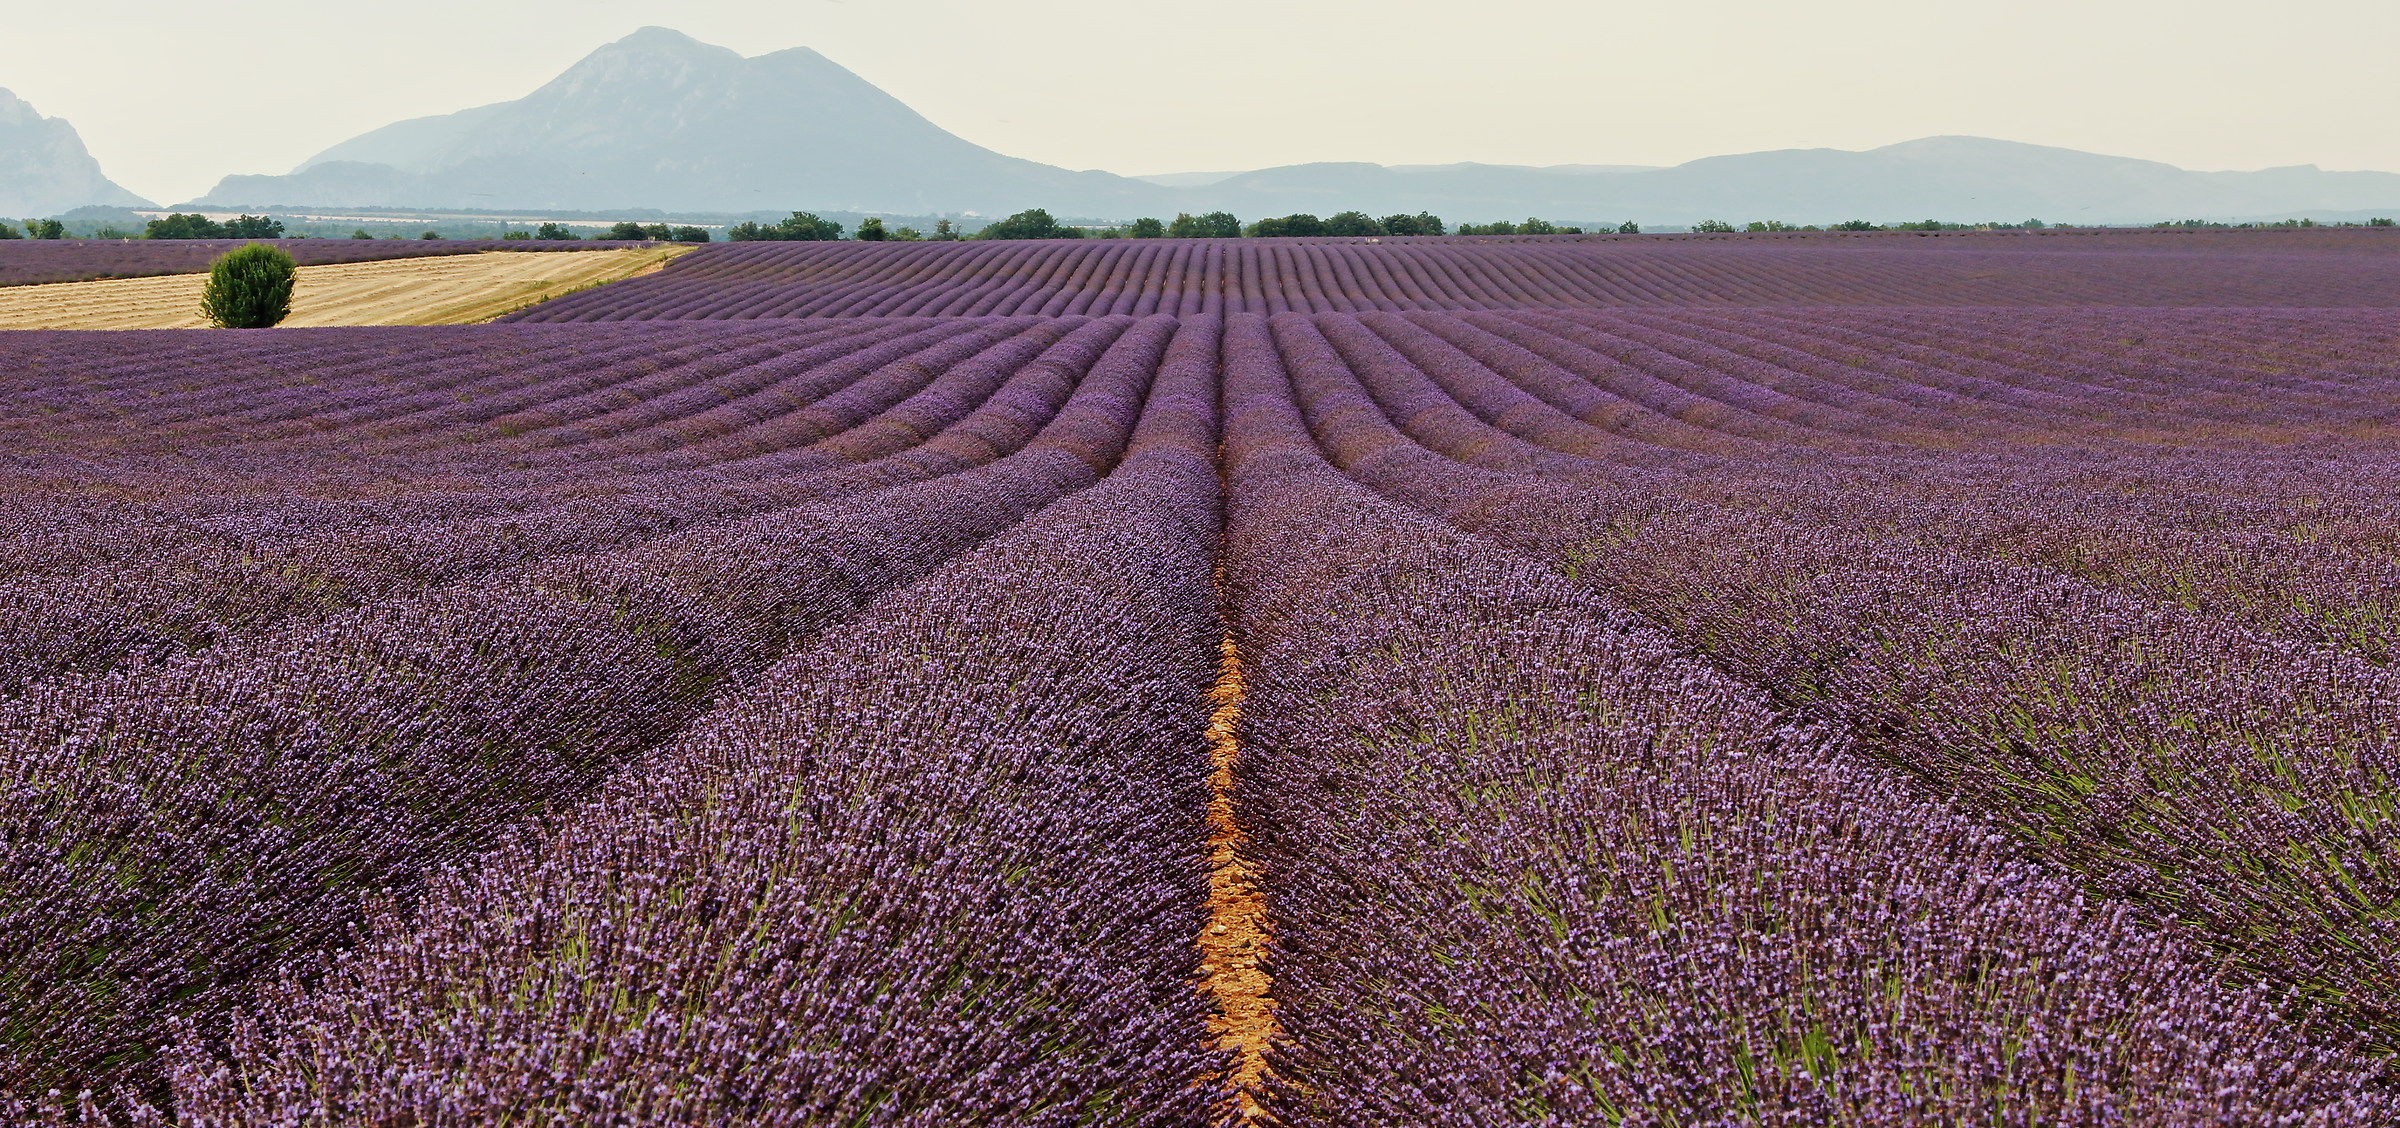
27	261
1676	682
1184	277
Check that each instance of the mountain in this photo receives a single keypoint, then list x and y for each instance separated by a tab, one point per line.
44	168
660	120
1959	179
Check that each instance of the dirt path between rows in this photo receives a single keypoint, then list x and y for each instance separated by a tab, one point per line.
1236	935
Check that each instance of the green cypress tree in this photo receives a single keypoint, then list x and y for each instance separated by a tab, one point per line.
249	287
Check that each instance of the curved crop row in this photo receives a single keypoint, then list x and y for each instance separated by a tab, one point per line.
2236	785
1532	864
175	833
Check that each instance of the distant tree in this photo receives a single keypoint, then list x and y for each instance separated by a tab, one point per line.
1502	227
1032	223
1713	227
362	233
517	236
1354	223
802	227
46	228
1533	226
179	225
555	232
9	230
626	230
871	229
687	234
1300	225
253	227
1214	225
1769	225
944	231
2033	225
1422	223
1629	227
1146	228
2380	221
112	231
1855	225
906	234
430	235
249	287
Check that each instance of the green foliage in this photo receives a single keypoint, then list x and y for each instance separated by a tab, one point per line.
46	228
871	229
944	231
362	233
249	287
1354	223
517	236
2036	225
1533	226
9	230
799	227
1422	223
1214	225
1147	228
2380	221
1713	227
1032	223
1855	225
430	235
112	231
627	230
253	227
687	234
1629	227
1291	226
1769	225
556	232
907	235
179	225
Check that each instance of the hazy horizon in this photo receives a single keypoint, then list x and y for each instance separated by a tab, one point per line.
1250	85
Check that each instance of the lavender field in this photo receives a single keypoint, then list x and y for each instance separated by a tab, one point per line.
1546	682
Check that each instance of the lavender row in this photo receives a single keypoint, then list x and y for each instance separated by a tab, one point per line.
1187	277
2301	548
174	834
970	399
1528	862
944	866
2236	784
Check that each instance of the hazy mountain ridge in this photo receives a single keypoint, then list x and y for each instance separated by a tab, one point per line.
659	120
44	168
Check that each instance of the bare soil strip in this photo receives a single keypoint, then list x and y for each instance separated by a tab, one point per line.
446	290
1237	934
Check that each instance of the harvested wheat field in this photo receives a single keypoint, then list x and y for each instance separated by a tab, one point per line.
451	290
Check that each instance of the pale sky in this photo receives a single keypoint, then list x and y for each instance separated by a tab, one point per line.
172	96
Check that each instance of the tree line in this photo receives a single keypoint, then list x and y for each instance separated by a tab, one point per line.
1038	223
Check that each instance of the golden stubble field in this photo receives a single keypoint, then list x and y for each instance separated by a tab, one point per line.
446	290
